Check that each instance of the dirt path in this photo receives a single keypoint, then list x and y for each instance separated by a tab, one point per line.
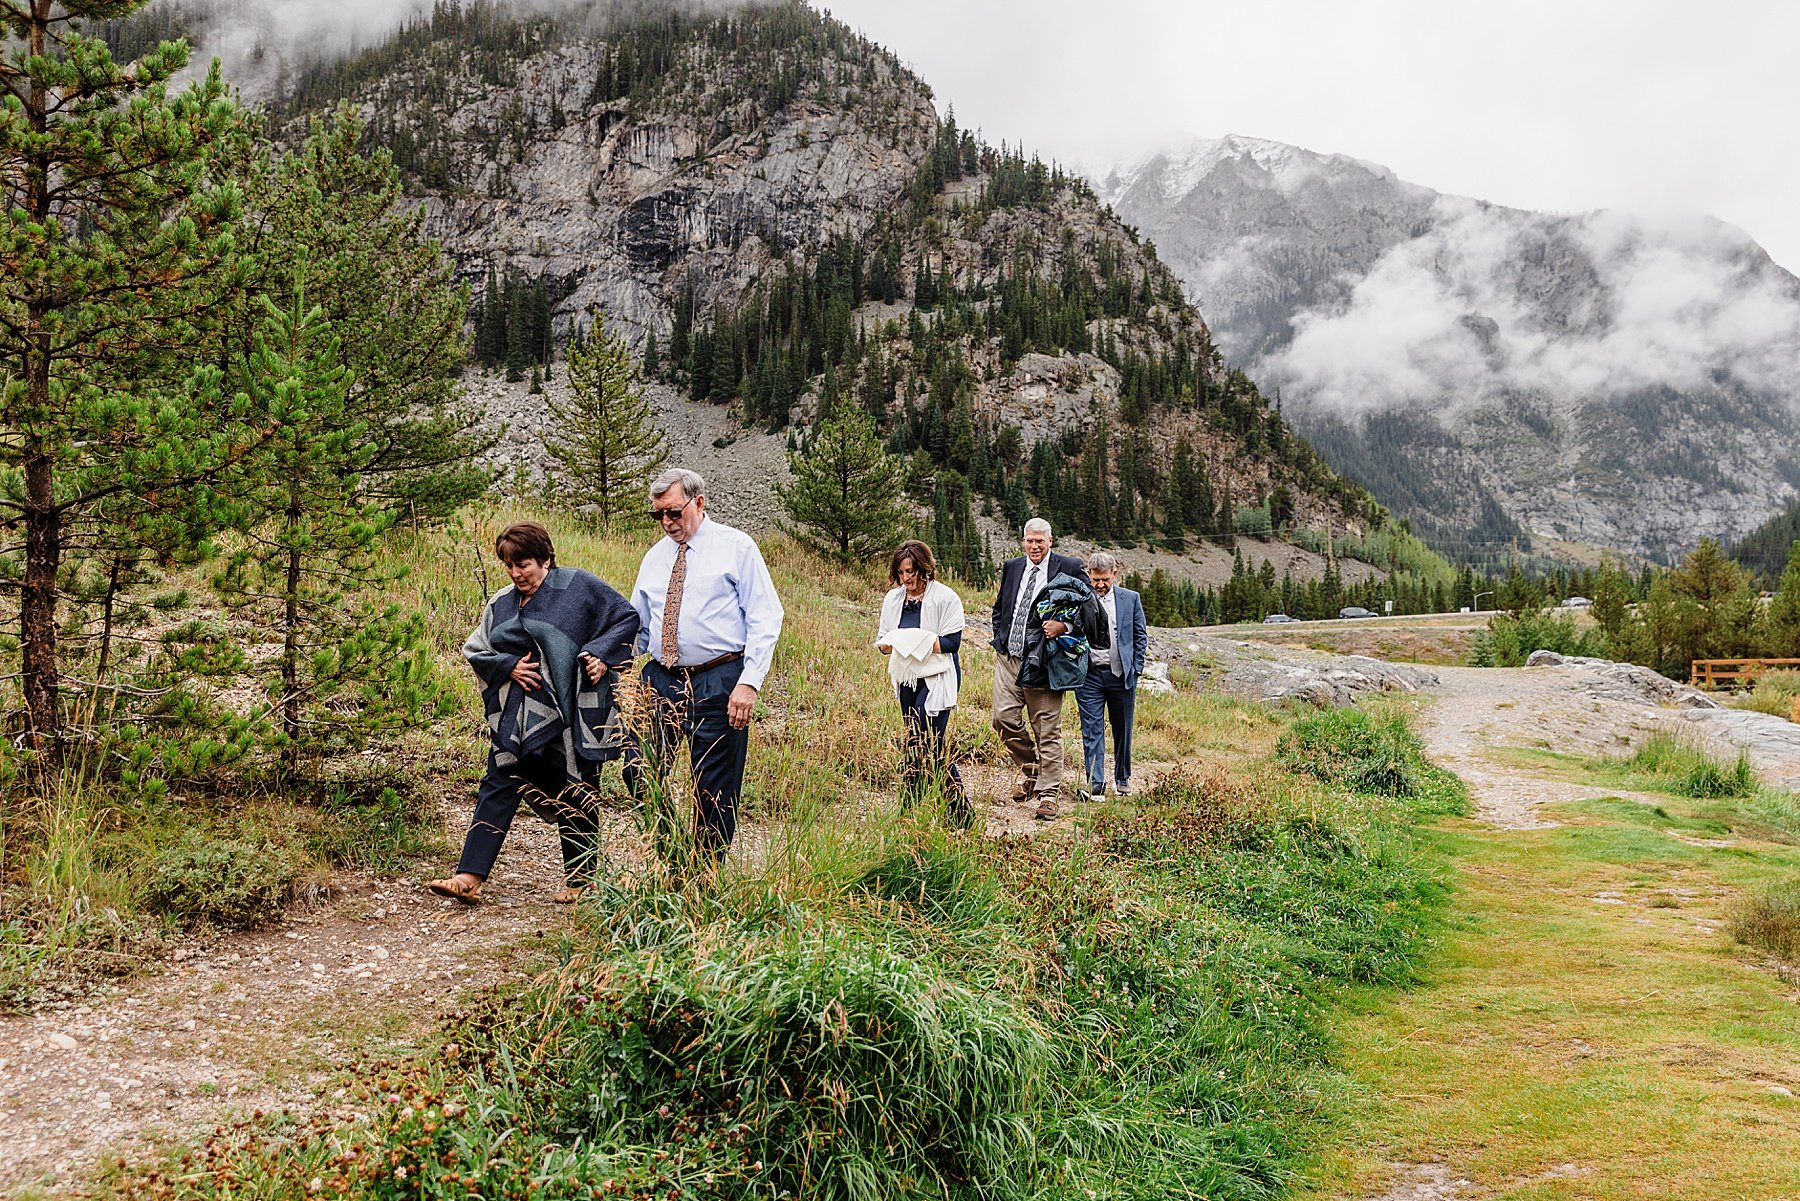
1572	709
260	1020
1480	709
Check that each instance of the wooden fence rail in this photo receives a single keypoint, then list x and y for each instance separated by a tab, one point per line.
1710	673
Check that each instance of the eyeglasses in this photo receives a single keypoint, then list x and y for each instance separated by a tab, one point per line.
671	514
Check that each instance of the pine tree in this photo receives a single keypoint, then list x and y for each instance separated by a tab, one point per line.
313	539
845	496
652	360
603	440
117	208
392	298
1784	611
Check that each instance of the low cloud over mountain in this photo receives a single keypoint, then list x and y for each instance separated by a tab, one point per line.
1607	376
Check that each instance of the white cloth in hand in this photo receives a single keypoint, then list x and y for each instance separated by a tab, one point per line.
914	659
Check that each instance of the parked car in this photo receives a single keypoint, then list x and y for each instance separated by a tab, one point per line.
1577	602
1354	611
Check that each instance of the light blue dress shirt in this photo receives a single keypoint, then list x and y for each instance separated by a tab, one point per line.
727	604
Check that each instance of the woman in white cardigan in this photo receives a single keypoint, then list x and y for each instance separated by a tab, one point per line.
921	632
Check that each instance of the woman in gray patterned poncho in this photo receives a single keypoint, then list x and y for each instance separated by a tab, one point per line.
547	653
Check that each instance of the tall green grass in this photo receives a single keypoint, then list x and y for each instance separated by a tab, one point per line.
1770	919
891	1010
1685	768
1371	752
1775	692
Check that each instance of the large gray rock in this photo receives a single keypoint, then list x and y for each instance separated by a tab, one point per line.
1612	681
1155	680
1329	683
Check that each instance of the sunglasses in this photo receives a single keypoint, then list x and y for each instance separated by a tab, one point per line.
671	514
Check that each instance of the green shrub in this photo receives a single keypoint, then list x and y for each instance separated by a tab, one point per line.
1686	769
1508	640
1377	754
1773	692
235	882
1771	920
377	827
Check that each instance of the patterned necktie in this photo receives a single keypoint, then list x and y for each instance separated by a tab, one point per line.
1015	642
671	650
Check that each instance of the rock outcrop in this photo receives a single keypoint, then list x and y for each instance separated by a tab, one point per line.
1612	681
1328	683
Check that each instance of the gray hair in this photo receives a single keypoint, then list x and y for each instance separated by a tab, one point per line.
1037	525
692	483
1103	561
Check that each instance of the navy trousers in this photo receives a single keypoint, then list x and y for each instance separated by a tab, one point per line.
1104	698
541	781
928	754
692	707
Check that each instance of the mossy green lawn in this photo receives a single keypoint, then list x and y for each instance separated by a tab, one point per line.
1589	1028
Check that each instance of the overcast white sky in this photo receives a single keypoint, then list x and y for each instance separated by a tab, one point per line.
1649	105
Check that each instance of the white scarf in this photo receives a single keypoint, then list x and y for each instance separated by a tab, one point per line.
912	660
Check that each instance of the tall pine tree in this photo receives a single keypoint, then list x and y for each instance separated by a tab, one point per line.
845	496
604	442
312	542
118	206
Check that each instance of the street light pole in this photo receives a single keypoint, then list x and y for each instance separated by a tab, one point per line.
1478	596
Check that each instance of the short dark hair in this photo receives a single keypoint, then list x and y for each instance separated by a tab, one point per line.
525	540
923	561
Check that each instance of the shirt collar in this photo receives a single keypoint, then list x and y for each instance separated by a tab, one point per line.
699	532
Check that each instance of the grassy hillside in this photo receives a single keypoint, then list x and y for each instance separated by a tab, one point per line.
1132	1005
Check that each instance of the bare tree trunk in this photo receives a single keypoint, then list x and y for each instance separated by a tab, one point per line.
106	619
290	658
37	608
43	520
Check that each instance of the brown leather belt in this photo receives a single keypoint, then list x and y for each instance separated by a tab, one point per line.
727	657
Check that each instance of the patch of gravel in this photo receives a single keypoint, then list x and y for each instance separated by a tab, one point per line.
261	1020
1425	1182
1479	709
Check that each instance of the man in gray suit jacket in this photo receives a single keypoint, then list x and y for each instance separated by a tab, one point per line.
1029	720
1110	692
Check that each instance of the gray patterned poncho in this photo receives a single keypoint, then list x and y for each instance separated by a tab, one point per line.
572	612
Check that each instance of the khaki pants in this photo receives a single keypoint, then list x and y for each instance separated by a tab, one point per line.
1040	746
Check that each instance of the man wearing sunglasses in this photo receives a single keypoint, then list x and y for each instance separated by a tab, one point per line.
709	617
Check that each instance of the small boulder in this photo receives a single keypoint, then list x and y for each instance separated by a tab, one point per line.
1155	680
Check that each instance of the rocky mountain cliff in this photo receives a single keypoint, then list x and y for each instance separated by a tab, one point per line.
771	208
1600	377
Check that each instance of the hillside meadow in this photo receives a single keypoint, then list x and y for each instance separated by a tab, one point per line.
866	1004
